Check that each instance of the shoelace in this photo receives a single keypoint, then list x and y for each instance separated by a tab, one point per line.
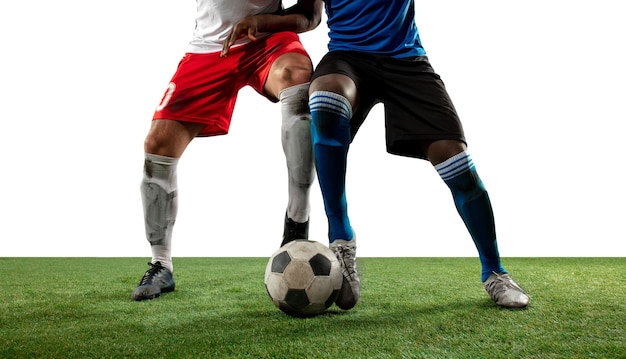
491	286
155	268
345	254
505	284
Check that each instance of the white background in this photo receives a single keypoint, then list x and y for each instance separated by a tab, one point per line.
539	86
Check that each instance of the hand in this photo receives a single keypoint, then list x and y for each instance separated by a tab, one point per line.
249	27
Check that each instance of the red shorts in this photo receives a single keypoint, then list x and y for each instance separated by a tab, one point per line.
205	86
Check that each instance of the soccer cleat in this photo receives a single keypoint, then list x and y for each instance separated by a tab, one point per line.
155	281
505	292
294	230
345	251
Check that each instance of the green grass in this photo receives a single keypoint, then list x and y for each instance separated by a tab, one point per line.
410	308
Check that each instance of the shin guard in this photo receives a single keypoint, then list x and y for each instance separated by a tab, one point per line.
296	142
160	204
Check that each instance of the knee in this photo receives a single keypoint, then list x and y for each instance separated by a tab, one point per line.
294	75
153	143
442	150
161	143
170	138
293	69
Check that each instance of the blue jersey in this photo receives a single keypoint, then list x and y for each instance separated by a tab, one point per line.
385	27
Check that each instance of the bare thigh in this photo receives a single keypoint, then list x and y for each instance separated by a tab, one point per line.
170	138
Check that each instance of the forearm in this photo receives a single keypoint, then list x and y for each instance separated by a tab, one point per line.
304	16
301	17
289	22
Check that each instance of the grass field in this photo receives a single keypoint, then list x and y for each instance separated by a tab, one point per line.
410	308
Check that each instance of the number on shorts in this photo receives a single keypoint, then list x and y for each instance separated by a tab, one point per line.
168	95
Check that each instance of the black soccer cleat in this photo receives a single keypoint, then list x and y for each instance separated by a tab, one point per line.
294	230
155	281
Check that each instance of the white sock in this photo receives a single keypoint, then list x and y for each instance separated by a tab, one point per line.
296	141
160	204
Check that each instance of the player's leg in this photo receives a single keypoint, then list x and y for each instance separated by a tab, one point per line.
296	143
454	165
422	105
206	112
164	145
288	80
457	170
331	102
416	103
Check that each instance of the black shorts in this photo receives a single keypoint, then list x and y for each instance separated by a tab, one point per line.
417	105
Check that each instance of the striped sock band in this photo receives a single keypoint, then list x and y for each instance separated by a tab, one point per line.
331	102
455	166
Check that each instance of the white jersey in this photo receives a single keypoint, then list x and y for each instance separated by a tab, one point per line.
215	18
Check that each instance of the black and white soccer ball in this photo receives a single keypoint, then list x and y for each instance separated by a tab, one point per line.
303	278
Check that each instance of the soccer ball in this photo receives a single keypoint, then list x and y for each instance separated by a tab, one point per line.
303	278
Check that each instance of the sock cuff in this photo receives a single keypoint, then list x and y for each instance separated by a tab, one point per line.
455	165
294	90
162	160
332	102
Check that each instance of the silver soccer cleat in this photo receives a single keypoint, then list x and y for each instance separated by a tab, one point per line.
505	292
351	288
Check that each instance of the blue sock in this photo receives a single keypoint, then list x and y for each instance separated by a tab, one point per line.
330	130
473	204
